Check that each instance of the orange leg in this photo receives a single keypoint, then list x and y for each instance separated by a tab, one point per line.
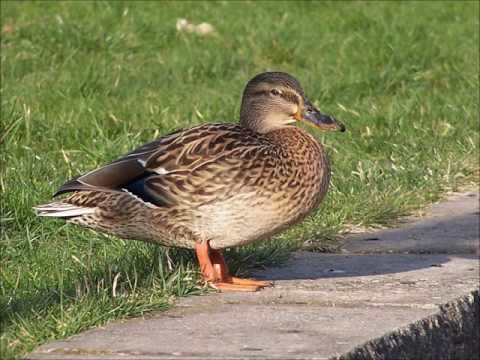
215	271
206	267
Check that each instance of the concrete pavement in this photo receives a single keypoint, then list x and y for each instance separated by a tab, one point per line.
408	292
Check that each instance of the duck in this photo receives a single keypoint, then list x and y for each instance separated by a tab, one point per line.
215	185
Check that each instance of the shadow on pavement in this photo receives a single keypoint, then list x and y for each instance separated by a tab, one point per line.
428	243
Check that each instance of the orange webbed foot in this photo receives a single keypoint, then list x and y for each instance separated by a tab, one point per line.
215	272
230	287
237	284
251	282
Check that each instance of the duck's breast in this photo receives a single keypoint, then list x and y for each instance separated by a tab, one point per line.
241	219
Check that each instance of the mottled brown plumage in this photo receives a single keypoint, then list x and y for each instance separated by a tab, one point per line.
213	185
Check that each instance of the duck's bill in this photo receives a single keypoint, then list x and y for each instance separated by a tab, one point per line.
314	117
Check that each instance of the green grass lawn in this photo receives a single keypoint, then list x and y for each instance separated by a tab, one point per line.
83	83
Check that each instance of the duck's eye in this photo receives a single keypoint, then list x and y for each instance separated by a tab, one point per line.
275	92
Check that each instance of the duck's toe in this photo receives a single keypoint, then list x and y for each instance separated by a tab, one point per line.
230	287
252	282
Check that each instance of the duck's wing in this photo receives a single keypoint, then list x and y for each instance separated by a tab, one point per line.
159	172
113	176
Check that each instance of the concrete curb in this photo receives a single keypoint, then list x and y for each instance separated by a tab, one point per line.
452	333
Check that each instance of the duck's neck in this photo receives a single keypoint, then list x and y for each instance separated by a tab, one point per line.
297	143
261	119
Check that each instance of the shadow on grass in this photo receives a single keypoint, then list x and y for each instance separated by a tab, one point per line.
144	268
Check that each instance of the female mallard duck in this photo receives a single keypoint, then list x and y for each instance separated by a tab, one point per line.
214	185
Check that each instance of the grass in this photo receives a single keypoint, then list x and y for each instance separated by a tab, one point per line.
83	83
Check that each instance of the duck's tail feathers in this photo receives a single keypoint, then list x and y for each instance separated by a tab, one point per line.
62	210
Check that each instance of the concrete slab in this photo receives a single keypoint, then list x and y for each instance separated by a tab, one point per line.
312	312
353	306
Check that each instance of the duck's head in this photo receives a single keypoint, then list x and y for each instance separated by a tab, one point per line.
273	100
